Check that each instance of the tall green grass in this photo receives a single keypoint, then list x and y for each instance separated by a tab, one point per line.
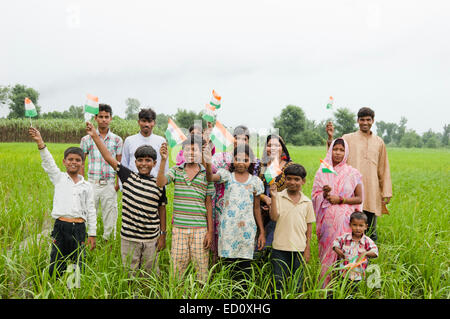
413	240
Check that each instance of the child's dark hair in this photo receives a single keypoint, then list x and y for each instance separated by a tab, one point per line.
241	130
145	151
296	170
195	127
74	150
358	215
194	139
366	111
248	151
105	108
147	114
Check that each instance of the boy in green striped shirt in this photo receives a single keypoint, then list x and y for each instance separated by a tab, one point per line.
192	230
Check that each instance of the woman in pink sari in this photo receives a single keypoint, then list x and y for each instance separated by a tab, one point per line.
335	198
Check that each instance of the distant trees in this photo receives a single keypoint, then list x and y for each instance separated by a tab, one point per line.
132	110
74	112
15	97
293	125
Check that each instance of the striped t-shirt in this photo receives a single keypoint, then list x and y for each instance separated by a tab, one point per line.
140	201
189	210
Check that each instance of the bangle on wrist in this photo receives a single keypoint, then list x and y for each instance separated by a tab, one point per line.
163	232
341	199
41	148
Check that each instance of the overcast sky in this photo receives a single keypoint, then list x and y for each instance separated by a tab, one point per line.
393	56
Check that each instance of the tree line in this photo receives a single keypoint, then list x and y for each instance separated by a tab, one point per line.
292	122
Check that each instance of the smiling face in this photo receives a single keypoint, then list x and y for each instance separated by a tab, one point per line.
73	163
103	119
274	148
294	183
146	126
241	162
358	227
365	123
144	165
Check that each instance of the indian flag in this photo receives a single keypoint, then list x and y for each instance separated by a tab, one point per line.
209	115
327	168
272	172
330	103
30	109
174	135
91	105
215	100
221	138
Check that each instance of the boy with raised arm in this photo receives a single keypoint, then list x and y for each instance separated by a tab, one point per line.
192	230
143	231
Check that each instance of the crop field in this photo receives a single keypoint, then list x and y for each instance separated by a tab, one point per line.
414	240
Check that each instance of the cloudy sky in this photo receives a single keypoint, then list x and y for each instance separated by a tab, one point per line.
393	56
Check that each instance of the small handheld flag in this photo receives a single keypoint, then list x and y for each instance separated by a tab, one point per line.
209	114
354	263
173	134
215	100
327	168
221	138
91	105
272	172
30	110
330	103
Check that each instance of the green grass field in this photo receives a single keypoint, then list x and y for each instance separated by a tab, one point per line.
413	243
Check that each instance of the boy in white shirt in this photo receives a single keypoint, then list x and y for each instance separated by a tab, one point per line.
73	206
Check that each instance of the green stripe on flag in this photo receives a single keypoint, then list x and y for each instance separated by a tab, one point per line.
208	118
217	106
30	113
326	170
172	142
91	109
268	176
220	147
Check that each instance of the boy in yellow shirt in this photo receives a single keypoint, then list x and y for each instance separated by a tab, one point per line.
294	215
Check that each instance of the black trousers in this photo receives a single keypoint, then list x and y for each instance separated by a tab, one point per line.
239	268
68	245
285	264
372	222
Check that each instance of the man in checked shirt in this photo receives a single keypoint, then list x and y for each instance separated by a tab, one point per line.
100	174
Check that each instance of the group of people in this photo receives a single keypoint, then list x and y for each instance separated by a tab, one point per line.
222	202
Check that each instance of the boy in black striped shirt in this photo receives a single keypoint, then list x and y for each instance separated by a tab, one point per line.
143	231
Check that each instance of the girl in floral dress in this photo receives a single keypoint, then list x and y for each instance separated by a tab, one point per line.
241	215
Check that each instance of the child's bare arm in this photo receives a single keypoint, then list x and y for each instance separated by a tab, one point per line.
339	252
210	233
90	130
162	222
371	254
161	179
273	210
259	222
307	252
207	162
